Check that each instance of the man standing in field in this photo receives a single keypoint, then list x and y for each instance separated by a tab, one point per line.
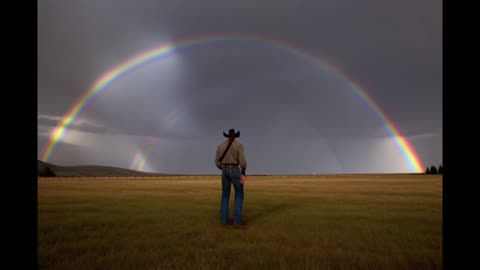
230	158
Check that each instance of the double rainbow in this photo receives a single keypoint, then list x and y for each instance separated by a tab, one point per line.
409	154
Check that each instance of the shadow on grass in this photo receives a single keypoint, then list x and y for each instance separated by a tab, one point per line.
252	215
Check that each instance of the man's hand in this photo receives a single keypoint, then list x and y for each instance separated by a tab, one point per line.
242	179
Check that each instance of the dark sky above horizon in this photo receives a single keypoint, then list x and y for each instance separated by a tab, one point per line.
293	114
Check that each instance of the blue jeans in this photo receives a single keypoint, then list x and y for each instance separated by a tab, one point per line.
231	176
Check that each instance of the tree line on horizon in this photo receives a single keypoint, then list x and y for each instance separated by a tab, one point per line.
47	172
433	170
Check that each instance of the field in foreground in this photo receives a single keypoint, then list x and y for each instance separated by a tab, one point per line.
294	222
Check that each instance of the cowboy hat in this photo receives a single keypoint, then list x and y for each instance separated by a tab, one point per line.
232	133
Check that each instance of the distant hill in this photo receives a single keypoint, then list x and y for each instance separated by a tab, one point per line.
48	169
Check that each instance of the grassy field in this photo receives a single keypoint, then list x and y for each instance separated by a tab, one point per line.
316	222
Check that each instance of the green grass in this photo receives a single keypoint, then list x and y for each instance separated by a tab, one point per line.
336	222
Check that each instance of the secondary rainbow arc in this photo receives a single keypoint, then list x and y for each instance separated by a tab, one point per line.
406	149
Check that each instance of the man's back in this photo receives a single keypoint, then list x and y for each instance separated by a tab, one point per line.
234	155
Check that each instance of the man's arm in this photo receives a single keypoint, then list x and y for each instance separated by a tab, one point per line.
242	160
217	159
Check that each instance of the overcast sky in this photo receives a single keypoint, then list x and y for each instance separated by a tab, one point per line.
295	114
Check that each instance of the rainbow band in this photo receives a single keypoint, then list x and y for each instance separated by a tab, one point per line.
408	152
136	160
140	158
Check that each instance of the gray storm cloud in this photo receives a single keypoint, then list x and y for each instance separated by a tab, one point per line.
392	49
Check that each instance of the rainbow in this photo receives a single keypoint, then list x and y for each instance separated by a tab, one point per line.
140	158
139	161
165	50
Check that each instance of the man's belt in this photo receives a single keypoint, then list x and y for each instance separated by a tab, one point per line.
230	165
